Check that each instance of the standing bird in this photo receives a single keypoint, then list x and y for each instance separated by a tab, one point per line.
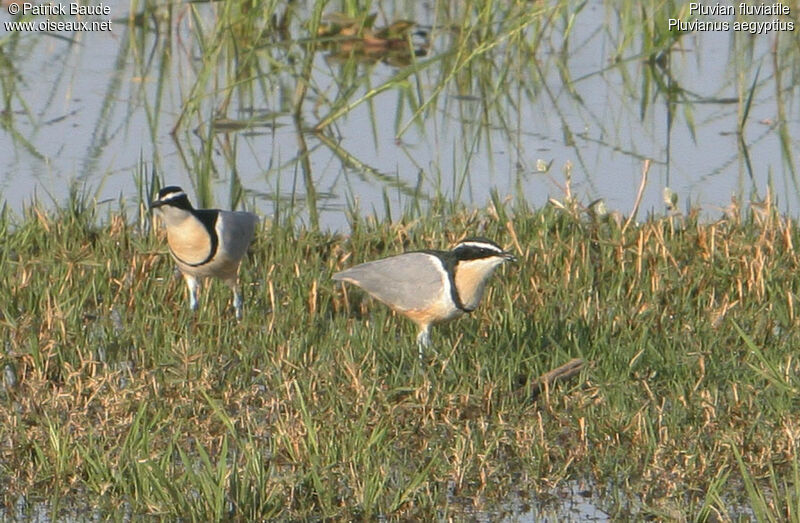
430	287
205	242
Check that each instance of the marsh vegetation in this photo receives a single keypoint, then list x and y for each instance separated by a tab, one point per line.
407	129
116	396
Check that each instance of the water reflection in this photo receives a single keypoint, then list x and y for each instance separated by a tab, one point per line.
222	98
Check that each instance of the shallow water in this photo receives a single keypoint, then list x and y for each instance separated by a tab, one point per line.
569	502
88	106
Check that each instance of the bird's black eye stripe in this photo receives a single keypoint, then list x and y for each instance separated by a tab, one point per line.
473	252
181	201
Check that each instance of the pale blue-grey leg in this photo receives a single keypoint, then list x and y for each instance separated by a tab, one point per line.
423	340
237	301
192	284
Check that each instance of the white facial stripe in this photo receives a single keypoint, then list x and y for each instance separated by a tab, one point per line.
482	245
171	196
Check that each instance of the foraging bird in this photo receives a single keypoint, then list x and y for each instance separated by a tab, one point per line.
205	242
430	287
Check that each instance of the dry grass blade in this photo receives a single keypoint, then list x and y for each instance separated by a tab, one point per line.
638	201
532	390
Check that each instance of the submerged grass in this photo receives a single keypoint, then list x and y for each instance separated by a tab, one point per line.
116	398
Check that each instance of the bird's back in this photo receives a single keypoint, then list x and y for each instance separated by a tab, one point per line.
410	281
236	230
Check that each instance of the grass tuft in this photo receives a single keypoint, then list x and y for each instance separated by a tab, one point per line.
315	406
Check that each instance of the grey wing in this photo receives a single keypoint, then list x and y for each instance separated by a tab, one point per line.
237	231
408	281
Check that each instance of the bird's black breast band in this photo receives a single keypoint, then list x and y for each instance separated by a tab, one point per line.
449	263
208	217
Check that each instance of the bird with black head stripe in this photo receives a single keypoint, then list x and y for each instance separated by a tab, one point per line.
430	286
205	243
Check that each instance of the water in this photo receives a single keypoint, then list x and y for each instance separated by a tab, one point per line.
87	107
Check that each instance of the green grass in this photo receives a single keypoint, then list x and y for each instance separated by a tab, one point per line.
116	398
316	405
